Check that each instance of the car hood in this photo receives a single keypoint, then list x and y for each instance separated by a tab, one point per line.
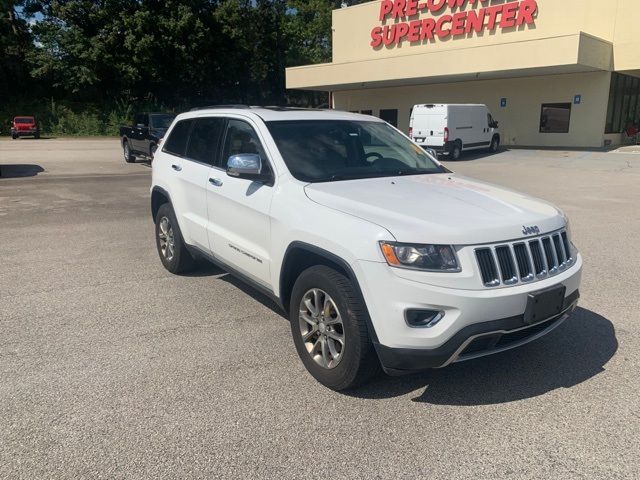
440	209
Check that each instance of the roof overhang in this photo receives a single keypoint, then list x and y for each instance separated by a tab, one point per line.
575	53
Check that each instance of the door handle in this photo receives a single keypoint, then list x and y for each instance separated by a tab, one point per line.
177	168
216	182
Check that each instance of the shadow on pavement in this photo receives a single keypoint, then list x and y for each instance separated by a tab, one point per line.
15	171
207	269
573	353
472	155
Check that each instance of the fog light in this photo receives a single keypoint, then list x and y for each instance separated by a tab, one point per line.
423	318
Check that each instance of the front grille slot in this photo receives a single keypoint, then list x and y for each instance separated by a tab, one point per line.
538	260
549	255
559	250
524	261
507	268
487	267
565	242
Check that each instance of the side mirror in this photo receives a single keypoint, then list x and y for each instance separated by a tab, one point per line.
247	166
494	125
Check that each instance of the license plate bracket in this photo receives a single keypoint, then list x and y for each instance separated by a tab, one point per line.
544	304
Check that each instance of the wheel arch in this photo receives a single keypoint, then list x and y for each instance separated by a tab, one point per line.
299	256
159	196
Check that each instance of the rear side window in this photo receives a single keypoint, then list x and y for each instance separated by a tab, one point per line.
204	142
176	144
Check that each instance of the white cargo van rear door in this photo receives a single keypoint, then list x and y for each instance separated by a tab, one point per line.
428	125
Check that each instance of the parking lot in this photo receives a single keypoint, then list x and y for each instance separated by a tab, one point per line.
110	367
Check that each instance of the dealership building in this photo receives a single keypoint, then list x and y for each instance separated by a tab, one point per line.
556	73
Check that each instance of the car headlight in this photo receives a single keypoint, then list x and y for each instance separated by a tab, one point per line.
432	258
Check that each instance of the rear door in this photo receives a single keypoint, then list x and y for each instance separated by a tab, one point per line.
239	209
140	131
428	125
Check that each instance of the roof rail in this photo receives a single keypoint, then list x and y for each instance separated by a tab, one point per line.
211	107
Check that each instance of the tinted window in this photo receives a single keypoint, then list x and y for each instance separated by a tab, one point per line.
241	138
24	120
390	116
177	141
330	150
204	140
161	121
555	118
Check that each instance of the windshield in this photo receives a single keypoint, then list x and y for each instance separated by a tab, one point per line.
24	120
161	121
331	150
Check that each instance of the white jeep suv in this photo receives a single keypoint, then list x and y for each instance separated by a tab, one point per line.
380	256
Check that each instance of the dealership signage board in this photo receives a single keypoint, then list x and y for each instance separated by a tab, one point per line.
402	20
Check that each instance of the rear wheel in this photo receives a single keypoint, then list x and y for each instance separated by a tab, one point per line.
126	150
329	327
171	247
37	135
456	151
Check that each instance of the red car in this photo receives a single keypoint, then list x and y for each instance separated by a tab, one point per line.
25	127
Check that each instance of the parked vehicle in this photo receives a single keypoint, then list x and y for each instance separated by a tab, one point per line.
381	257
452	129
25	126
142	139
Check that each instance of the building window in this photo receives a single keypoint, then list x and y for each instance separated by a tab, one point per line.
555	118
624	103
390	116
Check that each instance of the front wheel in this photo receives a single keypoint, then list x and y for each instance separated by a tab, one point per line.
14	136
329	327
495	144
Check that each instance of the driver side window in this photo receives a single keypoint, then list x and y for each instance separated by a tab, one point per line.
241	138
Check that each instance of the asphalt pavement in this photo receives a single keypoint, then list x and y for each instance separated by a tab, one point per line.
110	367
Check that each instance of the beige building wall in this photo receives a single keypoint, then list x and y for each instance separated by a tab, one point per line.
519	120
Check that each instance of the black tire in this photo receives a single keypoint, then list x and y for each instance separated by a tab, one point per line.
456	151
15	137
495	144
181	260
37	136
359	362
126	151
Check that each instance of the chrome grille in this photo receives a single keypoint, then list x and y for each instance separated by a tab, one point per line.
521	262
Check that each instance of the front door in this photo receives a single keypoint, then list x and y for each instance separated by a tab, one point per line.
239	209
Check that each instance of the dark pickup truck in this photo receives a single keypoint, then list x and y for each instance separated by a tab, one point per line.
141	139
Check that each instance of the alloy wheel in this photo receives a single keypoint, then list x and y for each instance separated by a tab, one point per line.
167	239
322	328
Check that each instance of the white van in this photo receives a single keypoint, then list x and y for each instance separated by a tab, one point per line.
454	128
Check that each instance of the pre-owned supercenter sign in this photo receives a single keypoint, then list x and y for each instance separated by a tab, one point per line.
447	19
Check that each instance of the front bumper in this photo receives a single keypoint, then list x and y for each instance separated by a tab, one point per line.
494	316
473	341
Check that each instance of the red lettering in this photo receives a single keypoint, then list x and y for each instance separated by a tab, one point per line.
440	30
376	37
401	32
457	24
493	16
436	5
385	9
526	14
414	31
508	17
411	8
428	25
398	8
388	35
475	21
